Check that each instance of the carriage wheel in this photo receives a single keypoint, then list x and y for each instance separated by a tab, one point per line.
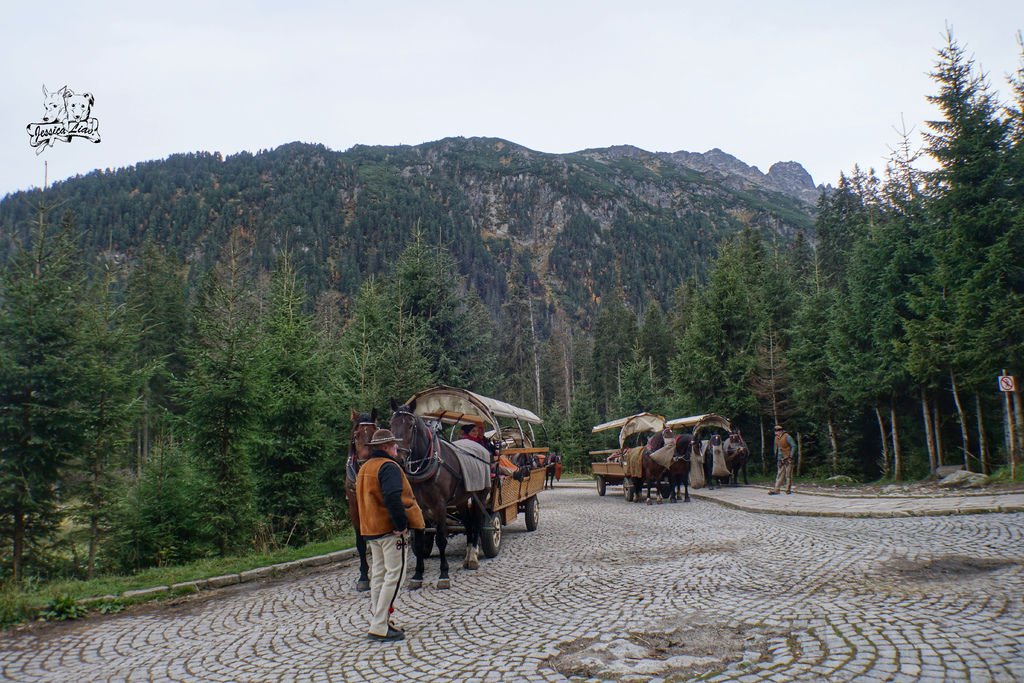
601	485
532	513
490	539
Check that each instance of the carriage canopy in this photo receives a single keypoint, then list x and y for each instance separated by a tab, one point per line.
697	423
634	424
452	405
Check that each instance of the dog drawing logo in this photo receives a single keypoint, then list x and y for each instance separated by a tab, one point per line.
66	115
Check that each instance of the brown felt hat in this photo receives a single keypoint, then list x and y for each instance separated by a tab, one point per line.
381	437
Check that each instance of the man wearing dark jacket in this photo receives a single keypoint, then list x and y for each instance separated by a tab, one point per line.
387	510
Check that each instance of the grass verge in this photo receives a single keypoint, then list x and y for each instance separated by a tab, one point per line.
56	600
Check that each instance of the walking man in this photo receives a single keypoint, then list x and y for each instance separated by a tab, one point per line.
387	510
785	450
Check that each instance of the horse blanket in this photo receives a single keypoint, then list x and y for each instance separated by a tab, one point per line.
697	470
475	461
633	464
718	466
663	456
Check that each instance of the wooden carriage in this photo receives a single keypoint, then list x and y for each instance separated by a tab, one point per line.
510	429
608	466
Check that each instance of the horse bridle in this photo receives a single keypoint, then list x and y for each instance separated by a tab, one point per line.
425	468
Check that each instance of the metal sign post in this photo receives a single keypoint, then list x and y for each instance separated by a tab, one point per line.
1008	385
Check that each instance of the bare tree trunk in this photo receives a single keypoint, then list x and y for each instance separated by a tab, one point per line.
567	367
897	452
982	443
963	423
799	451
929	435
1018	409
19	543
937	421
764	465
885	442
536	357
835	445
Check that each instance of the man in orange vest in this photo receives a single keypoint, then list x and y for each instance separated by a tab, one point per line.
785	450
387	510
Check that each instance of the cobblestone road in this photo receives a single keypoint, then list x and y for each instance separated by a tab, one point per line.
605	590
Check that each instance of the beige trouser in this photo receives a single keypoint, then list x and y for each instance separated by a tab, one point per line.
785	475
387	564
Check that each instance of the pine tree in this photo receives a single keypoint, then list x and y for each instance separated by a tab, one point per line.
109	382
222	394
460	345
296	439
156	300
382	352
39	351
959	306
615	332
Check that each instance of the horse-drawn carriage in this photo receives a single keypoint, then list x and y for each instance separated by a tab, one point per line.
445	471
610	467
719	458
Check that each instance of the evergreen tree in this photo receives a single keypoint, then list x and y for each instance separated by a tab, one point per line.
156	301
39	353
222	395
296	439
639	391
959	329
459	332
110	383
656	342
716	356
382	352
615	332
582	418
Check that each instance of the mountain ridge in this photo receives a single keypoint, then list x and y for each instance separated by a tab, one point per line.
572	226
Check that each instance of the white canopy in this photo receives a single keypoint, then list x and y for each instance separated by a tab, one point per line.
696	423
450	404
634	424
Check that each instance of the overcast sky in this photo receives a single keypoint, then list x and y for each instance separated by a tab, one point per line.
824	84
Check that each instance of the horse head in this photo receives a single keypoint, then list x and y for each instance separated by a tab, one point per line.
416	438
363	427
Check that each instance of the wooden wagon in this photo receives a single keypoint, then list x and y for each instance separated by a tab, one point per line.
521	463
608	467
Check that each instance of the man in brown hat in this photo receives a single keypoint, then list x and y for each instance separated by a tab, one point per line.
387	510
785	450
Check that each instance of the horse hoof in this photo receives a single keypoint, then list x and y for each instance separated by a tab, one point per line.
415	584
472	565
649	501
363	585
444	583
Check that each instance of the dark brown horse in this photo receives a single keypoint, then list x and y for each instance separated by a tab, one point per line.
552	470
667	479
736	457
363	427
438	483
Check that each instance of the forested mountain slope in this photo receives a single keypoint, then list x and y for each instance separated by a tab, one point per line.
575	225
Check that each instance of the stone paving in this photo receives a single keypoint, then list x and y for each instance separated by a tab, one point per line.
606	590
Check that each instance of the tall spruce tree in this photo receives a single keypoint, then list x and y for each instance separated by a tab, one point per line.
615	332
156	301
460	345
297	415
222	394
39	355
959	330
110	382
